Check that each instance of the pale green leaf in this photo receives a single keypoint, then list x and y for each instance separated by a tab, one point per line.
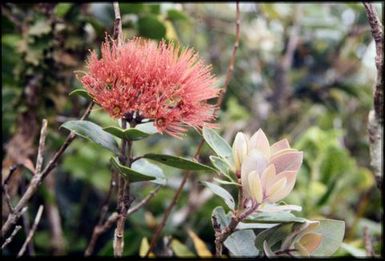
147	168
178	162
218	144
241	244
92	132
224	194
129	173
332	232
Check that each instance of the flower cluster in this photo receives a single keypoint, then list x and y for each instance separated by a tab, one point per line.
159	82
268	173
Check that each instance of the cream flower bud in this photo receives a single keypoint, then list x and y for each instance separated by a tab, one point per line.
239	150
268	173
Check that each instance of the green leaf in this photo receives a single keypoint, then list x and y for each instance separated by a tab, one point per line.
133	175
354	251
81	92
221	217
134	8
332	232
267	250
92	132
147	168
62	8
128	134
223	167
180	250
147	127
154	8
175	15
229	200
242	226
273	235
276	217
224	182
241	243
177	162
218	144
324	199
151	27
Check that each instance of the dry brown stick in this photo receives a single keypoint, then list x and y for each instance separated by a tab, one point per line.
104	210
8	198
9	239
230	67
57	241
222	234
167	212
103	227
27	227
375	118
117	23
368	243
38	178
41	149
123	197
32	231
229	74
143	201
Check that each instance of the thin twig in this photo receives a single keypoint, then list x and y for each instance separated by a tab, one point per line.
167	212
229	74
12	170
222	234
368	243
38	178
9	239
143	202
103	227
375	119
230	67
40	152
32	231
103	211
117	23
26	226
8	198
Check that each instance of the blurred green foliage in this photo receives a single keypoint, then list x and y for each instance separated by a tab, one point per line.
320	103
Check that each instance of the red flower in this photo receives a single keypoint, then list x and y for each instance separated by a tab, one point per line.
159	82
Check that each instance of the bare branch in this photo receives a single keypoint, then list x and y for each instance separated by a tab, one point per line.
229	74
117	23
40	153
143	202
368	243
32	231
103	211
9	239
7	198
12	170
222	234
230	67
38	178
103	227
375	118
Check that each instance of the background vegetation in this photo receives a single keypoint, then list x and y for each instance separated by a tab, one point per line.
303	71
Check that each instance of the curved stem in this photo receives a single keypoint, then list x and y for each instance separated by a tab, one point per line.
222	234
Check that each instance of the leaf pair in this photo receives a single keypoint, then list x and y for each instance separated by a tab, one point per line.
141	170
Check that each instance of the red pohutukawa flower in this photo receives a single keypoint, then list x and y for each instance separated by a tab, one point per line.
155	81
